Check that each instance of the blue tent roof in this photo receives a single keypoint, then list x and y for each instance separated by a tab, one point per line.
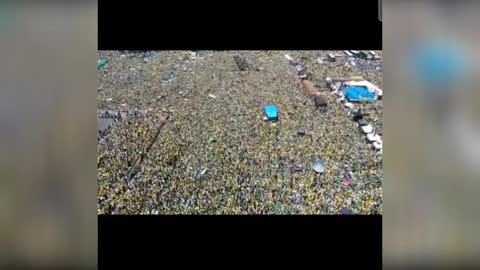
272	112
358	93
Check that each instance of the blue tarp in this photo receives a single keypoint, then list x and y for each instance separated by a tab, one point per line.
272	112
358	93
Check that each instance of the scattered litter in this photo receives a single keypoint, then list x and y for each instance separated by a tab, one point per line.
319	166
289	58
373	137
203	172
367	129
362	122
167	77
363	55
347	211
241	63
301	72
101	63
299	168
348	105
346	182
271	112
212	96
212	138
301	132
357	115
331	57
123	105
109	99
349	54
378	145
320	61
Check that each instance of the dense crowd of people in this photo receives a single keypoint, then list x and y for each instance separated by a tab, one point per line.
253	166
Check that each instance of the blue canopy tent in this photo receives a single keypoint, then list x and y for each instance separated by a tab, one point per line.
272	112
358	93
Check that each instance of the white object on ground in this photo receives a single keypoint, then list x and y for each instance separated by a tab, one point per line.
109	99
378	145
212	96
373	137
289	58
348	105
368	129
319	166
334	92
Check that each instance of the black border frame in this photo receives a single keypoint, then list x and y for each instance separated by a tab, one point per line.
245	25
310	241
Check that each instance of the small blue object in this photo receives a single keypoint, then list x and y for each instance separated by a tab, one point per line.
272	112
358	93
319	166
